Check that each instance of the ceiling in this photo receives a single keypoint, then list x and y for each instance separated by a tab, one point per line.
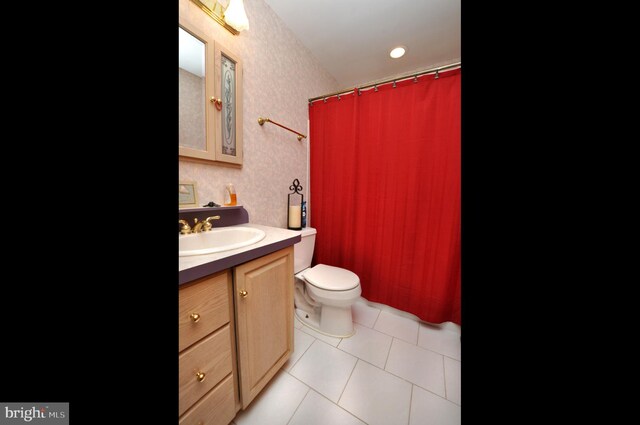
352	38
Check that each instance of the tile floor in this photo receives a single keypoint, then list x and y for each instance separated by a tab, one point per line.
393	371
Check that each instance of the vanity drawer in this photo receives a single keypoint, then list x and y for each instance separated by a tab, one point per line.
211	357
203	308
215	408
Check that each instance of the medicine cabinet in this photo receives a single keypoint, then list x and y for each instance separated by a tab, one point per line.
209	99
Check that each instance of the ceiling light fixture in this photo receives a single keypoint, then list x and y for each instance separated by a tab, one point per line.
397	52
228	13
235	15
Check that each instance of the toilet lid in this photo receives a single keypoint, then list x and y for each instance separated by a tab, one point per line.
331	278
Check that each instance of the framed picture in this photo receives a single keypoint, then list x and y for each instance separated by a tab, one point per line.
187	196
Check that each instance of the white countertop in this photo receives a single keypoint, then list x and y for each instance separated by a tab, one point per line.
274	236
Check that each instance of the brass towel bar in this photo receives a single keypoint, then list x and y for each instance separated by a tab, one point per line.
261	121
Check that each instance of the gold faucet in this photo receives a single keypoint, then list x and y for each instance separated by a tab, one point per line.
185	229
204	225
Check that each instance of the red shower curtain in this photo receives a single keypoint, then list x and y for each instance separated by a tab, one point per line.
385	192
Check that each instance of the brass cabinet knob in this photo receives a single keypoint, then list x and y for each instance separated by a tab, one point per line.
243	293
195	317
217	102
200	376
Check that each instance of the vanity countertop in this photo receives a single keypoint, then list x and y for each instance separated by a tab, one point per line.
197	266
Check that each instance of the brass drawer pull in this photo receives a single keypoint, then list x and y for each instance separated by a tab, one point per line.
195	317
200	376
243	293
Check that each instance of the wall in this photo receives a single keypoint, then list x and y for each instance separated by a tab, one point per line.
280	75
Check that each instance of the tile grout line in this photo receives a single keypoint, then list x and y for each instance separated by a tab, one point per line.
384	369
405	380
299	380
445	384
305	352
340	407
410	403
300	404
399	377
397	337
388	354
414	343
360	358
348	379
363	324
437	352
430	349
296	362
377	317
350	373
444	375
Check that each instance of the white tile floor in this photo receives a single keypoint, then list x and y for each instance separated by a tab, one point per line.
393	371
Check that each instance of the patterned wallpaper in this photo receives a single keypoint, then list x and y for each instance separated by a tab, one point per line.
280	75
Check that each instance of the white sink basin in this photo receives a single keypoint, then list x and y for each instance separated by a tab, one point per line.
218	240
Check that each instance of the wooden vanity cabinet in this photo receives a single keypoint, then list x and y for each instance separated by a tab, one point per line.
264	319
235	333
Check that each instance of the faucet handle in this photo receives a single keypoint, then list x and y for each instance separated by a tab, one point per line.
207	225
185	229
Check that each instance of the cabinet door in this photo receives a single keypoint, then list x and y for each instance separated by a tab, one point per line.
196	89
228	89
264	319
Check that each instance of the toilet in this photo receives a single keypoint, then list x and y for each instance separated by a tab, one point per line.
323	294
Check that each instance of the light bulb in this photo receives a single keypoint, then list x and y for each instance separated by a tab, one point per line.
397	52
235	15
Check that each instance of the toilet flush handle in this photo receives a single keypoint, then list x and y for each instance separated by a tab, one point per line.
243	293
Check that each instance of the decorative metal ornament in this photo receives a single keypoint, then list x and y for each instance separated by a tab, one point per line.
294	206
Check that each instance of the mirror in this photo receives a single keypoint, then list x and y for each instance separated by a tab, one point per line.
191	92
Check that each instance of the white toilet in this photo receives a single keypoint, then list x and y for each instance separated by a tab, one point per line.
323	294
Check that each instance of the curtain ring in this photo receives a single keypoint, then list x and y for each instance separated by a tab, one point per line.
375	88
324	100
437	74
310	103
359	92
338	97
415	78
394	84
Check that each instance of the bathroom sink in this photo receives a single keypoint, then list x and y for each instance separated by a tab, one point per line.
218	240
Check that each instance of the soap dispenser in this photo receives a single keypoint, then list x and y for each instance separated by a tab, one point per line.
230	197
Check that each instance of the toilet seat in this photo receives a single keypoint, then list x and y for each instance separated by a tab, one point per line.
330	278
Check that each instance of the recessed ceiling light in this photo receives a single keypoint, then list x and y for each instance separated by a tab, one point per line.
397	52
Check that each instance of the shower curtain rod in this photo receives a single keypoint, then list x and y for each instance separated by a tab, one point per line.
412	75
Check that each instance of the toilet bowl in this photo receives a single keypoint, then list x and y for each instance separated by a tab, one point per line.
323	294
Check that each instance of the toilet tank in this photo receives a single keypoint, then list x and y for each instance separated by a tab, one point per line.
303	250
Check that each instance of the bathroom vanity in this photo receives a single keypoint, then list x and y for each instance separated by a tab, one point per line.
235	325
